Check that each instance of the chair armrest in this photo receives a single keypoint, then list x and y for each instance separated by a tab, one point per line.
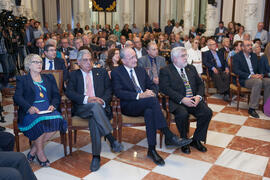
236	78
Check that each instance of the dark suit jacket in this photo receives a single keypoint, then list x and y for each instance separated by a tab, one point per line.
123	87
224	31
102	87
210	62
25	92
264	65
172	85
59	64
240	66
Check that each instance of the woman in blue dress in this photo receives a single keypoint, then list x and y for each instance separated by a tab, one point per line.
38	98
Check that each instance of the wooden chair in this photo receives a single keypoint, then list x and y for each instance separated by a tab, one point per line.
191	118
76	123
129	121
58	75
73	65
207	79
235	87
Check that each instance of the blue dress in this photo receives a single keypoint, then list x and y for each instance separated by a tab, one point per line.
34	125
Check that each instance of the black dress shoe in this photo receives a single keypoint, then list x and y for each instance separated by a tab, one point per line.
253	113
95	164
117	147
198	145
176	142
152	154
186	149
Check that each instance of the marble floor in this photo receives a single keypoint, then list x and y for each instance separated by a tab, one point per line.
238	148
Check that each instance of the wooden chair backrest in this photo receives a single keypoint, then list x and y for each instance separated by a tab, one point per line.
58	75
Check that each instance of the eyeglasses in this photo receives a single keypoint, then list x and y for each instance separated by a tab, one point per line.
86	60
132	57
36	62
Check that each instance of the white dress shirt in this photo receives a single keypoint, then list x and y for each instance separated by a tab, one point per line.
47	64
138	52
85	88
135	78
195	58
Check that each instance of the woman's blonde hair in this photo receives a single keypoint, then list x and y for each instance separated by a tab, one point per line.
28	60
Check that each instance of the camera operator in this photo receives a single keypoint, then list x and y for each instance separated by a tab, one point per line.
3	60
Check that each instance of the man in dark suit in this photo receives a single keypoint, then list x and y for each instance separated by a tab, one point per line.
78	29
139	50
152	62
220	31
38	48
246	66
218	68
123	40
51	62
147	28
185	89
137	94
90	91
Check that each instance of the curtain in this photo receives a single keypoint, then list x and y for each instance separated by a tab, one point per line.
51	13
65	13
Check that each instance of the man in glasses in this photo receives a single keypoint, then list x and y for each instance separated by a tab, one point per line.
181	82
51	62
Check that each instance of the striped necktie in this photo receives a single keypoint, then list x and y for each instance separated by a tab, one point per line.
186	83
137	88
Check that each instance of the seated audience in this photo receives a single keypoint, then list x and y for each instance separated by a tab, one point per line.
237	47
78	29
220	31
90	91
36	93
195	56
225	50
140	51
177	29
218	68
134	88
180	81
265	61
113	60
256	48
246	66
38	48
152	62
261	34
51	62
240	35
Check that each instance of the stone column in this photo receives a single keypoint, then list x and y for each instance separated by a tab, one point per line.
28	9
35	10
126	14
212	17
7	4
81	13
251	16
187	16
166	15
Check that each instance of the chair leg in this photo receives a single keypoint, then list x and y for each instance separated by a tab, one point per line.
17	141
70	141
230	97
63	141
160	139
75	136
120	134
238	100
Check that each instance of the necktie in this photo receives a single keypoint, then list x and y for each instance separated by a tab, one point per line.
137	88
51	65
89	86
186	83
154	68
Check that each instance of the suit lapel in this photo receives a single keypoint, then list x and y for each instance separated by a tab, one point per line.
127	77
43	65
139	77
95	75
80	79
177	75
245	61
30	82
46	84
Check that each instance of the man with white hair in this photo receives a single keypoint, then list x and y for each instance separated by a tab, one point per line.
181	82
261	34
90	91
138	96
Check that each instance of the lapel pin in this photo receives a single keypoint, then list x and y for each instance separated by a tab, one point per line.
97	74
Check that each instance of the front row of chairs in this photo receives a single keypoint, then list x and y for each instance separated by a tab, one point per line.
76	123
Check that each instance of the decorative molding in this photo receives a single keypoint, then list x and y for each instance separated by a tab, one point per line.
187	21
126	17
211	20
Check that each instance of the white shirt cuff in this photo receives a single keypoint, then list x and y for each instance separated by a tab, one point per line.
85	100
138	96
